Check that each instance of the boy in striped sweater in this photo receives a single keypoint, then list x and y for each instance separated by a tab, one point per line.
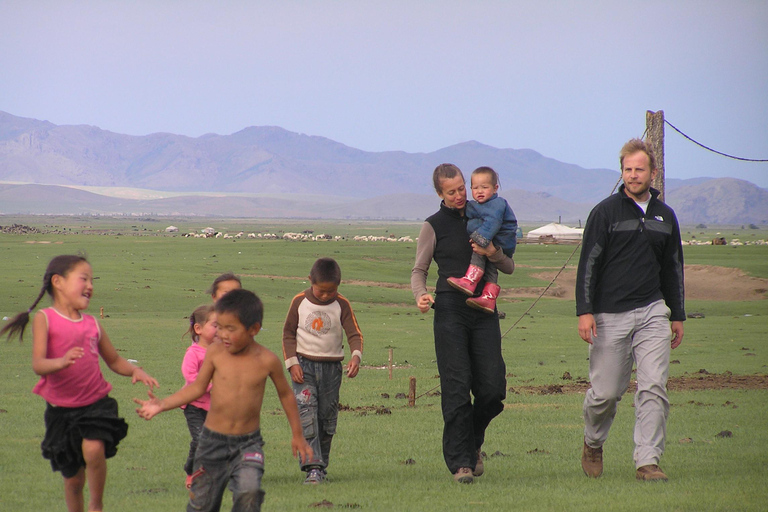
313	350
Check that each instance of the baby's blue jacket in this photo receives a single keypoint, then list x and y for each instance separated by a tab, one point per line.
493	220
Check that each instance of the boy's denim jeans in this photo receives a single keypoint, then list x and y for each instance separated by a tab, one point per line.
318	400
222	459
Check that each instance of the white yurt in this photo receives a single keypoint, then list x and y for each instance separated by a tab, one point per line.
557	232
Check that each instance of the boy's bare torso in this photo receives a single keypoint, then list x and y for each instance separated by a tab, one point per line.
238	388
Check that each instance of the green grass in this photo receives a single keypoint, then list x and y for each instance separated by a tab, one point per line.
148	285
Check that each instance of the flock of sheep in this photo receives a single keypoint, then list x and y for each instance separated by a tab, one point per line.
722	241
301	237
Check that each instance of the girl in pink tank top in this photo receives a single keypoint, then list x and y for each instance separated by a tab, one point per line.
82	426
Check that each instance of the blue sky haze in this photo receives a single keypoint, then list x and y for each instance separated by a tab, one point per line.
569	79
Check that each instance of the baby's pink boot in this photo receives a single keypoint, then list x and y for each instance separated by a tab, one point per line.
487	300
468	283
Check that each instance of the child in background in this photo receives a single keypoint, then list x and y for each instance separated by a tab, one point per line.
202	329
203	319
82	426
224	284
313	351
229	449
490	219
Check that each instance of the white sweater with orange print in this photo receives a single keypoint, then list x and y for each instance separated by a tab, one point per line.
315	330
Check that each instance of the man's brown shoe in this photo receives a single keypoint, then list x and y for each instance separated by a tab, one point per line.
592	461
464	476
651	472
479	466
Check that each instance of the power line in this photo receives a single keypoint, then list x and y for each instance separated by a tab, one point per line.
543	292
713	150
562	268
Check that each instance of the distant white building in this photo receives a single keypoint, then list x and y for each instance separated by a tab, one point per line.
209	231
556	231
171	229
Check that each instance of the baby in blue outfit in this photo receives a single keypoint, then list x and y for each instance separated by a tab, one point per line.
490	219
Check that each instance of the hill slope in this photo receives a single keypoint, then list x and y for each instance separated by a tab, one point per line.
263	160
277	173
720	201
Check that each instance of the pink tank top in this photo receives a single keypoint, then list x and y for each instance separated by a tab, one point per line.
81	383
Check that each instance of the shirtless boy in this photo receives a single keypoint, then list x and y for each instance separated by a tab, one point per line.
230	445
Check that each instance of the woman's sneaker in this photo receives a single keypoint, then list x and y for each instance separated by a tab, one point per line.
315	476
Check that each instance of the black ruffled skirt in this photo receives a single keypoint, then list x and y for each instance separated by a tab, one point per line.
66	427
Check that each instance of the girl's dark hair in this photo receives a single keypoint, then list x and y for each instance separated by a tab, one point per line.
60	265
198	316
229	276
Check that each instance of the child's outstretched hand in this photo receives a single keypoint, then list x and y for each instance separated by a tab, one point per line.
149	408
140	375
353	367
301	448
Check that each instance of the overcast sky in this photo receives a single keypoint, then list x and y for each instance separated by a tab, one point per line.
569	79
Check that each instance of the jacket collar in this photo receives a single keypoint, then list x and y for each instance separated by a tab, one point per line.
453	212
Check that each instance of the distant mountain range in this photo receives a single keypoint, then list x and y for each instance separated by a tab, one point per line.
271	172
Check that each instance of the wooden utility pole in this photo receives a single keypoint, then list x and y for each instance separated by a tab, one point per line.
654	127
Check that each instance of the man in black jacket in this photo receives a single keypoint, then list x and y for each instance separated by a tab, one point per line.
629	287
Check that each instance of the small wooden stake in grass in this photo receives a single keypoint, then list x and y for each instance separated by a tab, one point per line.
391	351
412	392
101	311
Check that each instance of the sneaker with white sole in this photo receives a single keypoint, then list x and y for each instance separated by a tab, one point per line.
315	476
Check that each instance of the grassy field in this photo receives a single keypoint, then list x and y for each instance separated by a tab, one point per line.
386	456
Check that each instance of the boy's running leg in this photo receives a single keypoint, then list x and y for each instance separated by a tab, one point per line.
211	472
248	470
95	471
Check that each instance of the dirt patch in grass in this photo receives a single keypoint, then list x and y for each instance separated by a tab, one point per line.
699	381
365	409
357	282
702	282
722	283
